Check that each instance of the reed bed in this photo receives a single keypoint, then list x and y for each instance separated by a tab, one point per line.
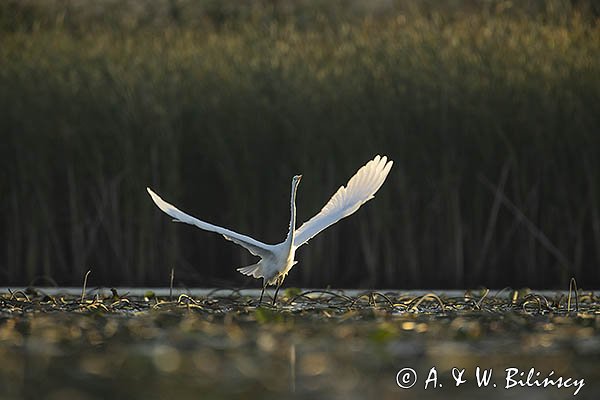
490	110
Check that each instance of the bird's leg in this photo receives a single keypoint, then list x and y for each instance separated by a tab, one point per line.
276	291
279	283
263	292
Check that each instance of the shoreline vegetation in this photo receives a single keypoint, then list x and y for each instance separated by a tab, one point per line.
312	344
490	110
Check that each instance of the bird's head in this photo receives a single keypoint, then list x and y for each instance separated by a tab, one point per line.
296	179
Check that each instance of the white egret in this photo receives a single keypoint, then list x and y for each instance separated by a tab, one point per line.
276	260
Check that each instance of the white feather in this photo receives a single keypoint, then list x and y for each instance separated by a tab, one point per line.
277	259
347	200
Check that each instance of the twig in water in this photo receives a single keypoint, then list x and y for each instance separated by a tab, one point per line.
428	296
322	292
478	304
537	298
171	284
572	284
13	295
85	278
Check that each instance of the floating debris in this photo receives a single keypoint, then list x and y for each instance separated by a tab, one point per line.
312	343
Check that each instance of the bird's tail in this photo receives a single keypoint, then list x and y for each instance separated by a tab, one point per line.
254	270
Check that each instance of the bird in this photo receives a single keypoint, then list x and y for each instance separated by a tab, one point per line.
276	260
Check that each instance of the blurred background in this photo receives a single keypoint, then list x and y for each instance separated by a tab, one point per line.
489	109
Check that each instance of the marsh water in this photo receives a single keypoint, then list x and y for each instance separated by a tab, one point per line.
350	344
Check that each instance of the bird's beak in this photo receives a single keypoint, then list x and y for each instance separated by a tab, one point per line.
299	178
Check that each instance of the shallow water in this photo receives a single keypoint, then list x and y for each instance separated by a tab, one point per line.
335	344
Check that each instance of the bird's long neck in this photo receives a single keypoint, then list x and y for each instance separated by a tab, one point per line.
290	236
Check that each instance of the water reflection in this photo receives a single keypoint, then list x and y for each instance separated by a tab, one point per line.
312	344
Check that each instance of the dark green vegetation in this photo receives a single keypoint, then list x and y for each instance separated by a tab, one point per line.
314	345
491	111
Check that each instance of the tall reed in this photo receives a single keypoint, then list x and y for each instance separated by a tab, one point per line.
492	115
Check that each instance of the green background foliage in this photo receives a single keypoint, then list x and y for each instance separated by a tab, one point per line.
490	110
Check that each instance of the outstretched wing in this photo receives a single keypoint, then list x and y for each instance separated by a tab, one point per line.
252	245
360	189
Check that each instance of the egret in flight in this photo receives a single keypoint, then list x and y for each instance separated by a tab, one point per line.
276	260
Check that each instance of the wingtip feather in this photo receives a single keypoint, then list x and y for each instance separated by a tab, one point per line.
151	193
160	203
